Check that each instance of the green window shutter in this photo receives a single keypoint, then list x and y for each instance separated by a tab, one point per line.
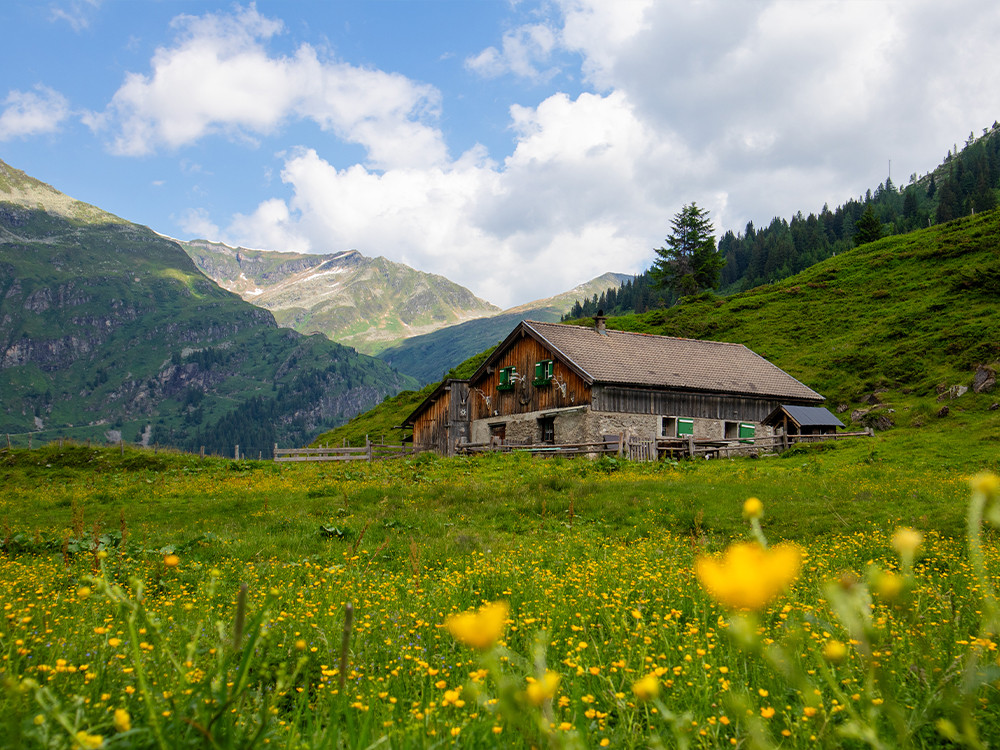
550	368
685	427
505	376
539	370
747	430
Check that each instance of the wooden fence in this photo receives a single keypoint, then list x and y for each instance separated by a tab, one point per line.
622	446
652	449
369	452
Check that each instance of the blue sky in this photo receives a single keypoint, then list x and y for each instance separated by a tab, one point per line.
518	148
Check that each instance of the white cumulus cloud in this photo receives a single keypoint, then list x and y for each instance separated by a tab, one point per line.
219	78
28	113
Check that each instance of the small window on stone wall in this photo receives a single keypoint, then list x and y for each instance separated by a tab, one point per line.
668	427
547	428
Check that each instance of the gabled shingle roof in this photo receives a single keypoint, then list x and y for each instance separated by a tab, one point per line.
638	359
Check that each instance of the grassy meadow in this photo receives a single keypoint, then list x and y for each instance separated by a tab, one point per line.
211	610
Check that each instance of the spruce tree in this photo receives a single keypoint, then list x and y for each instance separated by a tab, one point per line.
868	227
690	262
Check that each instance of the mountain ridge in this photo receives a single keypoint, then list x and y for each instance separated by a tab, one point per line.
109	328
367	303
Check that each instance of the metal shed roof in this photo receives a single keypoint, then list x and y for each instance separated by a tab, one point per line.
805	416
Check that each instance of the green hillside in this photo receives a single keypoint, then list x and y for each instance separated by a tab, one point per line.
888	325
109	331
910	314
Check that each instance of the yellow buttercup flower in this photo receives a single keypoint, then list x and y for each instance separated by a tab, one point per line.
749	576
906	541
647	687
83	592
482	628
753	508
834	651
542	690
88	741
986	483
171	561
122	721
889	586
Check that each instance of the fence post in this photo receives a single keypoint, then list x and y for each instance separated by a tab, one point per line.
8	441
203	451
237	452
690	446
29	442
275	456
368	445
121	447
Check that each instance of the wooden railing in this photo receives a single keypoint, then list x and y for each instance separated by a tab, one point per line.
369	452
633	448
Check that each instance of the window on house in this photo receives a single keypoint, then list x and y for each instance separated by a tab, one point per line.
747	430
685	427
544	370
547	428
668	427
506	382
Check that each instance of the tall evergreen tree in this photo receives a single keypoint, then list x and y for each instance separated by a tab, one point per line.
868	227
690	262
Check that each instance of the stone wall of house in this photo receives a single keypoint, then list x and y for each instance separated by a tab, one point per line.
581	425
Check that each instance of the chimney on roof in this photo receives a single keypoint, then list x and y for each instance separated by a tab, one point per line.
600	323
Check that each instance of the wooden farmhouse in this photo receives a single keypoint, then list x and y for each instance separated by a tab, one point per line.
554	383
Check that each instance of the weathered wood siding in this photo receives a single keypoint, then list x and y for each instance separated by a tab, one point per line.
681	404
444	421
430	429
526	397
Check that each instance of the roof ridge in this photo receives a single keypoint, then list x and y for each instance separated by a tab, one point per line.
639	333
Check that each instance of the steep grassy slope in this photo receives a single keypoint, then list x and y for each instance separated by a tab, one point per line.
908	313
367	303
108	329
891	323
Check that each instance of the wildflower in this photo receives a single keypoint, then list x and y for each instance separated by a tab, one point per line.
646	688
88	741
122	721
767	712
480	629
171	561
834	651
300	644
539	691
906	541
889	586
986	483
748	576
83	592
753	508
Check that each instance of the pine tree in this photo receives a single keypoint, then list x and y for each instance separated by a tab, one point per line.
868	227
690	262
